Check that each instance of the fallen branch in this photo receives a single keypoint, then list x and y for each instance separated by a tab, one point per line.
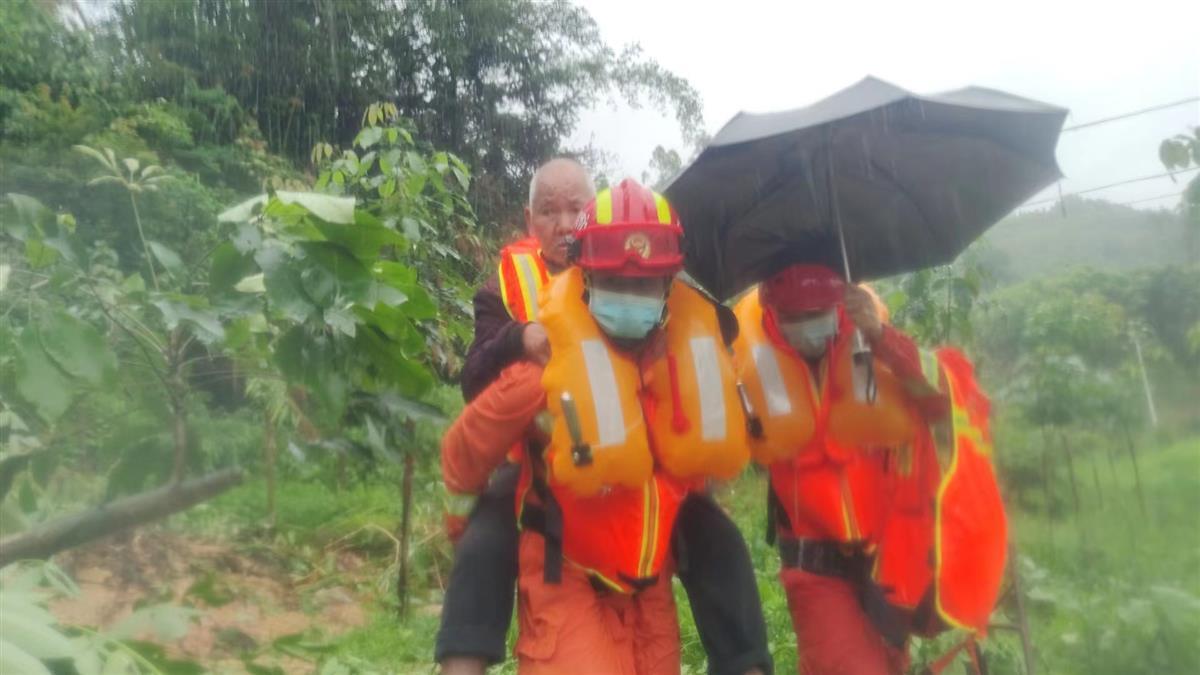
70	531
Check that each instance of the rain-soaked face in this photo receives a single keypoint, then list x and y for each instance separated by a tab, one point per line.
560	191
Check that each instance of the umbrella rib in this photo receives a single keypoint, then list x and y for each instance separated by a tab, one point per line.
891	179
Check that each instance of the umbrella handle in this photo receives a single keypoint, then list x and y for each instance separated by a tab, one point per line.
866	389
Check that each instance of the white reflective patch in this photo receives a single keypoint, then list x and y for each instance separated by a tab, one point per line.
532	280
708	380
603	381
778	402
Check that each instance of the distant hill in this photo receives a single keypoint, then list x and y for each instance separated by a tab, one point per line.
1095	233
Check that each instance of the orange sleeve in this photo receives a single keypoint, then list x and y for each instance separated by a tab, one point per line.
500	416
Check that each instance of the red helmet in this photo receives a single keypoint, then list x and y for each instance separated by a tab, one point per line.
629	230
803	288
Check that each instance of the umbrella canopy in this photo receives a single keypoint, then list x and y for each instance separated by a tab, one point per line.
911	181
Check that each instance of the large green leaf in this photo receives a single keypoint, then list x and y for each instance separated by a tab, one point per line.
195	312
229	266
248	238
39	381
342	320
168	258
31	217
418	305
39	255
77	347
339	210
363	239
38	639
390	366
351	279
286	295
167	622
312	360
14	659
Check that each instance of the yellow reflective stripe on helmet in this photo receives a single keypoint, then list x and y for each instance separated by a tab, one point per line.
604	207
708	381
458	504
530	281
664	209
774	391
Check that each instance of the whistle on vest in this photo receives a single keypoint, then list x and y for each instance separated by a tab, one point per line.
581	452
753	423
863	370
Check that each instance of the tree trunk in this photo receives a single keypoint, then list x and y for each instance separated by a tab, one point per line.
1137	474
70	531
177	393
179	435
1022	614
1046	491
405	519
1070	471
270	452
1096	481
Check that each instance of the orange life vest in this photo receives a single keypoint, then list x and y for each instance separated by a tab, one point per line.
791	408
618	509
523	275
946	547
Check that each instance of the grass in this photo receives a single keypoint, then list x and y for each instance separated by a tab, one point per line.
1110	591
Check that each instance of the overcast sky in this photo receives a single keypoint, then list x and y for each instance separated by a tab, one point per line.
1097	59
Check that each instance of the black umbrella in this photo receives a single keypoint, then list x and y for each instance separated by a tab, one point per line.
875	179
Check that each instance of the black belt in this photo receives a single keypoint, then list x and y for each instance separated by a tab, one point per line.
826	558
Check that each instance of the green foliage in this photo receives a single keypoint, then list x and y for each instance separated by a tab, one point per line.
1179	153
934	305
500	83
1083	233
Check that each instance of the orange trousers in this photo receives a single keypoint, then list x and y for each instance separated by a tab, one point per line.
570	627
833	634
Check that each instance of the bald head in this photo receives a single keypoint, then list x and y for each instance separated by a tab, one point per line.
558	192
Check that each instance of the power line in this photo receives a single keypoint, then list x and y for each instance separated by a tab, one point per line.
1150	199
1111	185
1135	113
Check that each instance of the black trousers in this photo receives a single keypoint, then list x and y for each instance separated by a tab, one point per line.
712	561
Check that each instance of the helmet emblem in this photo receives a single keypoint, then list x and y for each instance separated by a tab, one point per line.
638	243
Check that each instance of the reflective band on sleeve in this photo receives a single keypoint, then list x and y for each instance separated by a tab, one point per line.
530	280
708	380
778	402
609	421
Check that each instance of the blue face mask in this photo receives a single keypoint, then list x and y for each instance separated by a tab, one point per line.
622	315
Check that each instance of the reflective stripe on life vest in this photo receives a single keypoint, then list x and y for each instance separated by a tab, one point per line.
523	275
970	527
708	379
605	396
697	427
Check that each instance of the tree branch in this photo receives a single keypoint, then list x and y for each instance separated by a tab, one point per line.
70	531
